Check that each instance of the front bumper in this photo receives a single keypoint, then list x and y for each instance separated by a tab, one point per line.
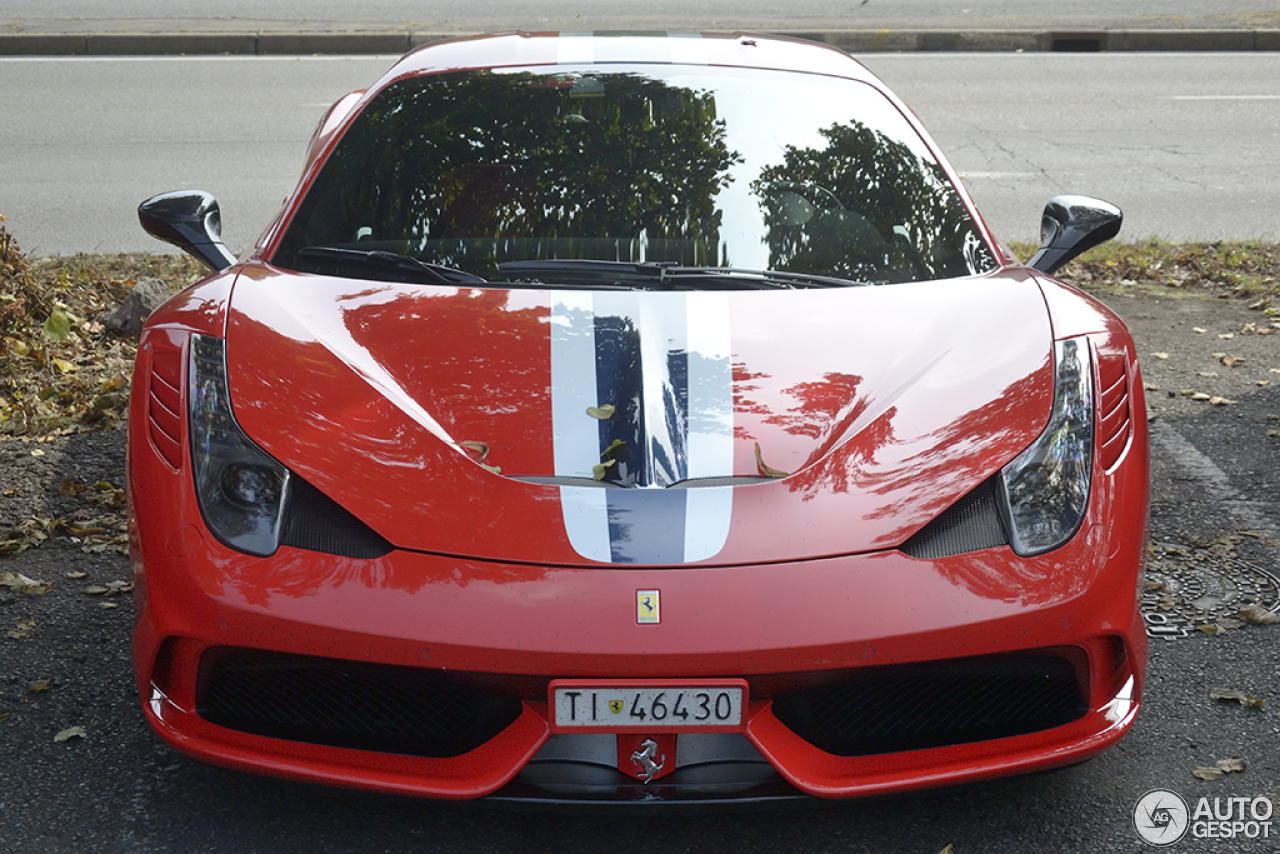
510	629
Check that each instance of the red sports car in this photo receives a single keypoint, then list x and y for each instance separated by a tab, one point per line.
613	418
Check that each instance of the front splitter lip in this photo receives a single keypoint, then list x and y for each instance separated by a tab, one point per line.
487	769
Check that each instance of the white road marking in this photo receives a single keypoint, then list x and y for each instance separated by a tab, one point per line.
1214	480
1222	97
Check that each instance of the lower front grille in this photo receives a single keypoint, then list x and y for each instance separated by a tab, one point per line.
337	703
912	707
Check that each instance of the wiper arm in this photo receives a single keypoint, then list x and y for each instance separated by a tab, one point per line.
664	275
387	266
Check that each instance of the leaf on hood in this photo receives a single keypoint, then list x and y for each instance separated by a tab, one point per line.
764	468
1246	700
618	451
599	470
479	447
602	413
1257	615
71	732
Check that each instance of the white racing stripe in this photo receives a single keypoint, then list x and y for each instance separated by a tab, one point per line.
682	374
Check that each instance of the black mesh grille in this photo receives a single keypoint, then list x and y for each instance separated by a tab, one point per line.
970	525
387	708
314	521
890	709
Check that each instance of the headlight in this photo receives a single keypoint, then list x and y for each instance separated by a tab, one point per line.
240	488
1045	491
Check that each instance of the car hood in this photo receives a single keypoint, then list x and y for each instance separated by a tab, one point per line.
732	426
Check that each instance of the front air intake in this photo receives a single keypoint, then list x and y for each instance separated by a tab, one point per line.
890	709
339	703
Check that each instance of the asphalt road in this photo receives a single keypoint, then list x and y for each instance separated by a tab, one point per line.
1187	145
480	16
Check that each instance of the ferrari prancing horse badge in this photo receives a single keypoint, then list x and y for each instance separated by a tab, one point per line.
647	607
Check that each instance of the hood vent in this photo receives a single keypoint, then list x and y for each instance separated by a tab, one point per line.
970	525
314	521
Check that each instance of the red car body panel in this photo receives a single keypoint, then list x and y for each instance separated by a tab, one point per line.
854	391
882	406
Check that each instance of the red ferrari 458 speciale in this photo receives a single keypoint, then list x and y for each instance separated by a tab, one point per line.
618	417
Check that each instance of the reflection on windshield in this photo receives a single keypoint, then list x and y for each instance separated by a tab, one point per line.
694	166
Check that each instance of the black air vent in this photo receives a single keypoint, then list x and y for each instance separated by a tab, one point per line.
970	525
911	707
314	521
381	707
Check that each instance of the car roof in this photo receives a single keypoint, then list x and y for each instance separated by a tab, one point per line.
601	48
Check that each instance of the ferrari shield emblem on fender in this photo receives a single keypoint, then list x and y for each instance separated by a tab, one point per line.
647	610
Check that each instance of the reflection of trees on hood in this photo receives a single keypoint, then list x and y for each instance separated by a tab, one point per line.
484	155
869	208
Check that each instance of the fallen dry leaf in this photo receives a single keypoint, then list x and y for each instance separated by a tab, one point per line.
24	630
39	685
19	583
1217	400
1204	772
1233	361
1232	765
71	732
1160	355
602	413
1211	629
479	447
1257	615
764	469
1246	700
1199	330
1227	336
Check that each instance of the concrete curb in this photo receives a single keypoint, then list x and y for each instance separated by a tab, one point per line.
855	41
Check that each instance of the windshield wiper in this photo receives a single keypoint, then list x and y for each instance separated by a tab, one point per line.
385	266
663	275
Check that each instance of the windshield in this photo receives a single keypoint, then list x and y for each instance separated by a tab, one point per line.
651	164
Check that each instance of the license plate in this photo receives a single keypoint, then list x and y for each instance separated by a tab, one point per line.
648	705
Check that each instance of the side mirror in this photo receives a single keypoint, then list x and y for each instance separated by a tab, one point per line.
1071	225
190	220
